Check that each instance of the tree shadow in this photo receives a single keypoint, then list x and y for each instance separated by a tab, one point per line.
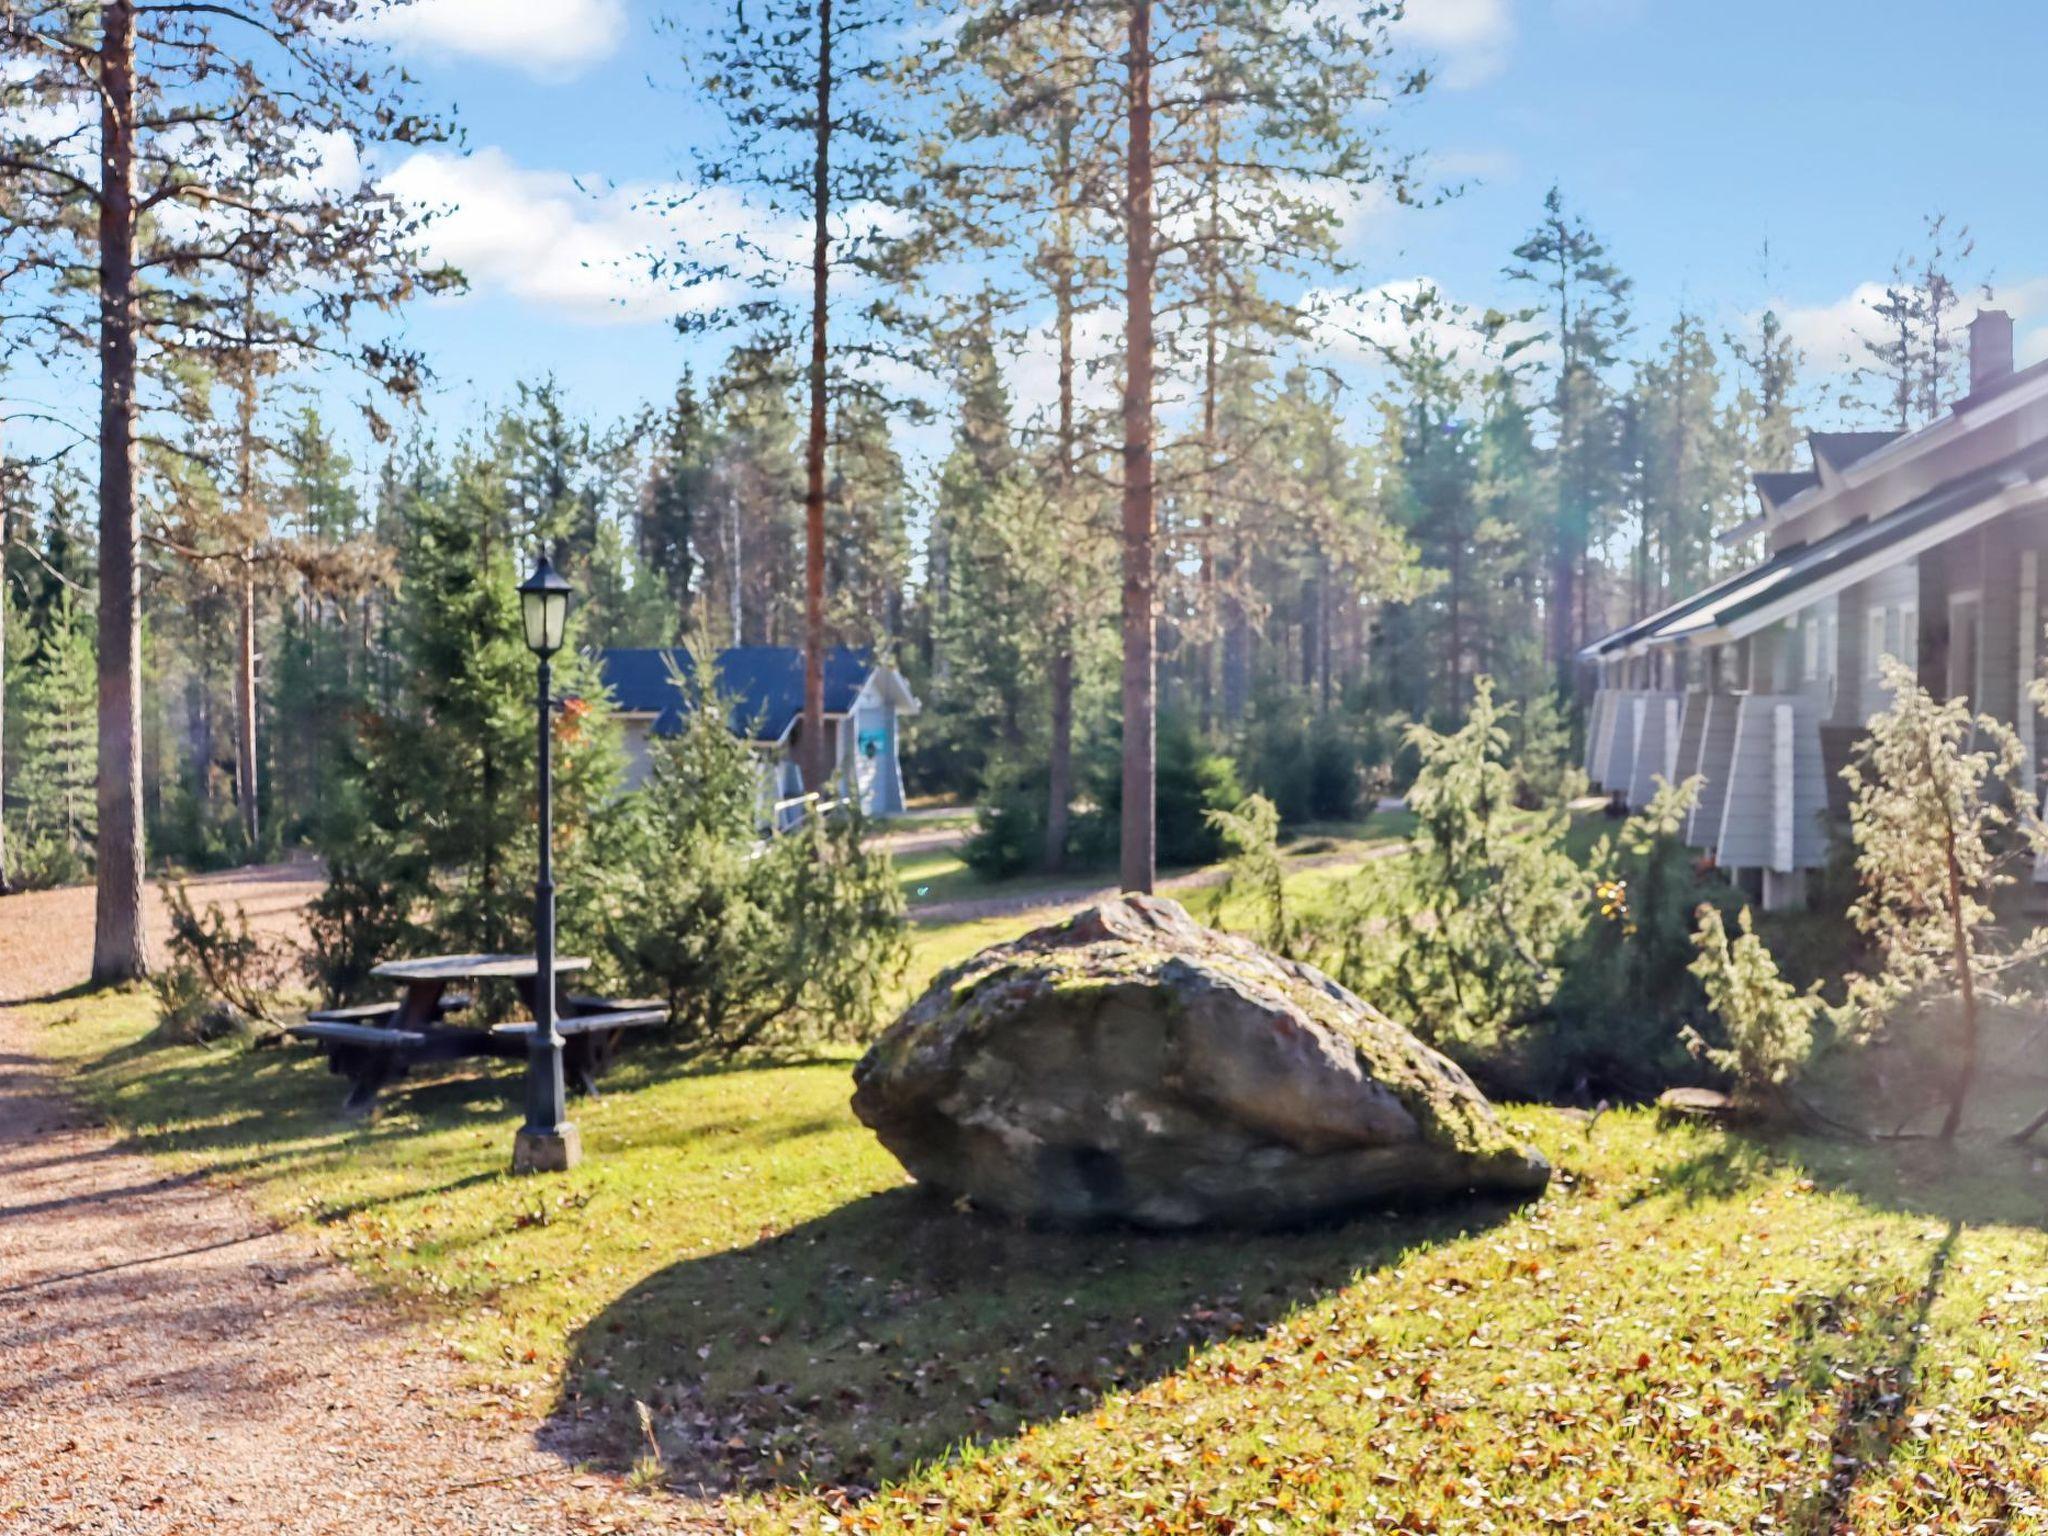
1977	1180
898	1328
1873	1405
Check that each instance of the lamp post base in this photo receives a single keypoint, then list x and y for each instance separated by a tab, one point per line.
555	1151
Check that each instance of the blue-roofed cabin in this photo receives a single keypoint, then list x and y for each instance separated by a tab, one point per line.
865	702
1928	546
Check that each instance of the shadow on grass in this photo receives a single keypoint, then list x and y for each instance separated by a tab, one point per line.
1872	1405
898	1328
1978	1180
242	1112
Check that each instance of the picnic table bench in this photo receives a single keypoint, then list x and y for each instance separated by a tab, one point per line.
376	1044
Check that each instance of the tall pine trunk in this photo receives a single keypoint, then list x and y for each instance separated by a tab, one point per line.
1059	763
817	753
245	610
119	949
1140	727
5	885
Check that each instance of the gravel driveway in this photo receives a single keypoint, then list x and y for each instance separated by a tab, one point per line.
169	1363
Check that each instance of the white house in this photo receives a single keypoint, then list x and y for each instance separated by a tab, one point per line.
864	703
1929	546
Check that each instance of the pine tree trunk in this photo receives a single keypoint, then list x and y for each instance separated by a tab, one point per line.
245	611
5	884
1059	776
1059	760
245	704
119	948
817	754
1140	727
1237	639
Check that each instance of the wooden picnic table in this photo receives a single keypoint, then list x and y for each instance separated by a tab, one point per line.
428	979
375	1045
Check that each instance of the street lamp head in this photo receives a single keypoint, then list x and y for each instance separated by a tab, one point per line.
544	608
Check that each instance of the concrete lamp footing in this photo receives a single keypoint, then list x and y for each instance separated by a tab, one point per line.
555	1151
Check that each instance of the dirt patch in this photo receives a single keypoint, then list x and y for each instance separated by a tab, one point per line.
46	936
169	1362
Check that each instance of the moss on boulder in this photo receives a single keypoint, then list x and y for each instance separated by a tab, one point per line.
1130	1064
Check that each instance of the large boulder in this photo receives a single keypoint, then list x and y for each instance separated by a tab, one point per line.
1129	1064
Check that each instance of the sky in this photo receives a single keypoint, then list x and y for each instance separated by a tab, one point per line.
1690	133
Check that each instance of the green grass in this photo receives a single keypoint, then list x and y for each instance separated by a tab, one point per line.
1693	1331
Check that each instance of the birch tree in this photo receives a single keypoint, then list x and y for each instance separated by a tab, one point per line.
159	155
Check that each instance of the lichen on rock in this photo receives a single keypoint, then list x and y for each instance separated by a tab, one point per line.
1130	1064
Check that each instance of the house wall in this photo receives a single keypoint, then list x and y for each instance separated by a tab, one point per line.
1751	826
1879	615
636	735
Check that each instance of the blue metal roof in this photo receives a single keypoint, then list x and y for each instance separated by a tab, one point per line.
765	682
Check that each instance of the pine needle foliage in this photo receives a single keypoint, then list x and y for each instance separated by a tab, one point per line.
752	939
1767	1022
1255	871
1939	813
1491	896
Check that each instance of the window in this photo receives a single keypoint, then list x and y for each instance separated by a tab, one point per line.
1809	635
1873	642
1891	633
1909	634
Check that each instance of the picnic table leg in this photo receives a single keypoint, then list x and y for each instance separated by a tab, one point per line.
367	1071
422	1005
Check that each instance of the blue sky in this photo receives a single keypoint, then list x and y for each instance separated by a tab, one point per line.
1688	133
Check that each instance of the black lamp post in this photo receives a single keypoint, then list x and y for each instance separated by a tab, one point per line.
547	1143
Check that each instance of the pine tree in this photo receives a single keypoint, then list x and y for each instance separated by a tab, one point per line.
808	92
677	511
429	827
1932	796
1912	366
217	125
867	549
751	561
52	787
1683	462
1584	299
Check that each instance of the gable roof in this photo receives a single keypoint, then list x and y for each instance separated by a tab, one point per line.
1778	486
1838	450
1808	572
765	682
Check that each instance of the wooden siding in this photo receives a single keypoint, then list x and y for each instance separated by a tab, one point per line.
1596	725
1716	760
1897	591
1656	747
1751	814
1692	729
1618	761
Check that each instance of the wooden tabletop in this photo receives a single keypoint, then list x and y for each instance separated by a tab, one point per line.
472	967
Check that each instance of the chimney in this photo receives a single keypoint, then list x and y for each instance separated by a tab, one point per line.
1990	350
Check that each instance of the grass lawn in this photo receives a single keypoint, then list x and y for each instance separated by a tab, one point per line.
1692	1332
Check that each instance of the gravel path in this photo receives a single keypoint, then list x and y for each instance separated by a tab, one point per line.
1062	898
169	1363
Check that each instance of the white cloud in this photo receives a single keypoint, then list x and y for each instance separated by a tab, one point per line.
544	237
1831	335
1360	327
548	38
1469	38
538	236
